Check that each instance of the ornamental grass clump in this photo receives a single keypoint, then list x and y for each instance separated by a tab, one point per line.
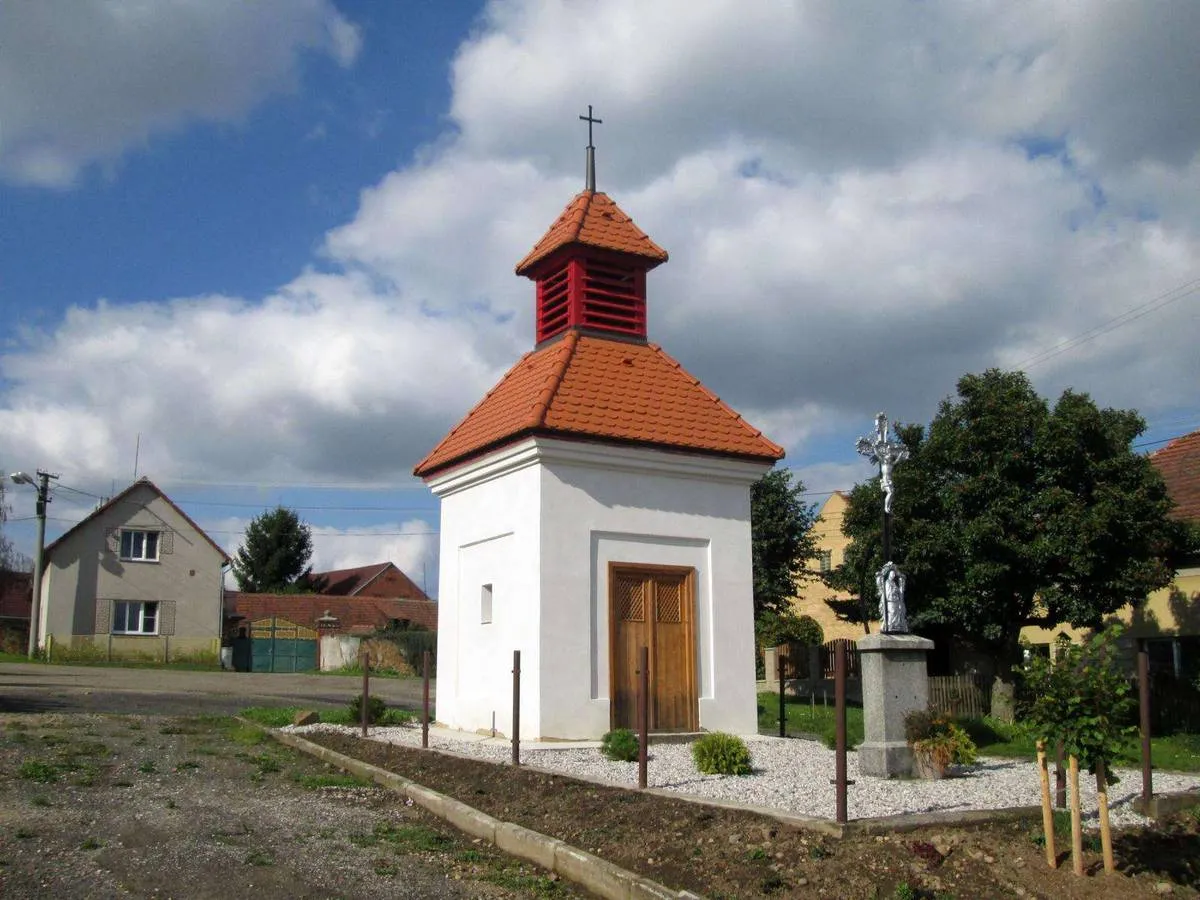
620	745
939	740
719	753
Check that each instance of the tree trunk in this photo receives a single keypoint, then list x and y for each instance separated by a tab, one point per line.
1004	684
1003	700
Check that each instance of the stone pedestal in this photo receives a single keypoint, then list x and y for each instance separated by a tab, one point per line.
894	682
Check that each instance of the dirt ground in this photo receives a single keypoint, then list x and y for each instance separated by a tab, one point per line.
97	806
725	853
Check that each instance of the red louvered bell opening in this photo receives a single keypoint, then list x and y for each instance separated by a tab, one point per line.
614	298
553	308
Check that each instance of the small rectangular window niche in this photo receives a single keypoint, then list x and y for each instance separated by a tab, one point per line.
485	605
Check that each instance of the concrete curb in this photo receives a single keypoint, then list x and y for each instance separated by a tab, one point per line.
1162	805
585	869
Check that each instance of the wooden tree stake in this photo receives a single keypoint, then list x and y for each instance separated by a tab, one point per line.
1047	809
1076	820
1105	830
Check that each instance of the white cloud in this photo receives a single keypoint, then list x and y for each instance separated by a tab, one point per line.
326	379
859	209
84	82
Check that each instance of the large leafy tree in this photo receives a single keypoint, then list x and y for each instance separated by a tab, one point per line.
1010	512
274	556
782	540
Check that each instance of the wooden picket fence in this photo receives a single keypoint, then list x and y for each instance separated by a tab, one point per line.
959	695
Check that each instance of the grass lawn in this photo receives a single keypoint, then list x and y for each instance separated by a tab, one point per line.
71	658
356	669
15	658
805	718
278	716
1171	753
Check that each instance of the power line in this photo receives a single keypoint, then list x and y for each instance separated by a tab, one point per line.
322	534
219	503
1130	315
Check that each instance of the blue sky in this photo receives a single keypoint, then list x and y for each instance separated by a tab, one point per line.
276	240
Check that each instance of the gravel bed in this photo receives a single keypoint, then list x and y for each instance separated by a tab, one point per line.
794	776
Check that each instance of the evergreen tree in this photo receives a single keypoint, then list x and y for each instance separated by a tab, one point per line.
274	556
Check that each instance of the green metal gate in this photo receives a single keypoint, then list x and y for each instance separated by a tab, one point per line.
277	645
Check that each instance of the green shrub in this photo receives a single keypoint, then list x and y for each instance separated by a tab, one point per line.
719	753
620	745
376	709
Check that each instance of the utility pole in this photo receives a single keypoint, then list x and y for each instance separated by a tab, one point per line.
42	484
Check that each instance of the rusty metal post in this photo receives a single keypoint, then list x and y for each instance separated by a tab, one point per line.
839	704
425	699
366	692
1143	665
643	713
782	708
516	718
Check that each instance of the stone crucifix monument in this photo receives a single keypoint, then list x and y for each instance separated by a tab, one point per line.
894	677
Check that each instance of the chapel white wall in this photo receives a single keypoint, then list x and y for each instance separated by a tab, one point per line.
610	511
489	535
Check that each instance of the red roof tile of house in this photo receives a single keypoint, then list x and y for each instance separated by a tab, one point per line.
352	612
384	580
16	594
595	220
1179	464
592	388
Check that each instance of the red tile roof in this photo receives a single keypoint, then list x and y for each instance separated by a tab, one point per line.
352	612
592	388
1179	464
16	594
595	220
379	580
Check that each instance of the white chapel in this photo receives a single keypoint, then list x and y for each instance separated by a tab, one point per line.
595	501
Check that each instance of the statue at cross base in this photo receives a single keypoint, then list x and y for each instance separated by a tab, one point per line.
890	582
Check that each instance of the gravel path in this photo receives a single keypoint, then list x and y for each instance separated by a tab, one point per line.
794	775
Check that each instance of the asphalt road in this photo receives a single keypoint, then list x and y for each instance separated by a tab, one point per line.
35	687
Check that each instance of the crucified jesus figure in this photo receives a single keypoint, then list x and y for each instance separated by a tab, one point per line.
885	454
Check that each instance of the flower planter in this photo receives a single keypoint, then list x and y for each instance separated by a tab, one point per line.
926	766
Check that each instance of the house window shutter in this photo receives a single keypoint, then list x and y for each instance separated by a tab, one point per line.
112	540
166	617
103	624
166	542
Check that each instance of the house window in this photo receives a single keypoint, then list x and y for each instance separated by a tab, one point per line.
826	560
139	545
485	605
135	618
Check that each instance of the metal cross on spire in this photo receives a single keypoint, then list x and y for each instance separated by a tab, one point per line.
591	150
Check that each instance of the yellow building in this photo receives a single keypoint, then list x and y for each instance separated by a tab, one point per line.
831	546
1169	620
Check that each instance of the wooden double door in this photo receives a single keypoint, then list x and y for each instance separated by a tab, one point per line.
653	607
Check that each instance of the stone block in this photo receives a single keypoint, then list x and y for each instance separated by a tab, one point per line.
894	683
306	717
